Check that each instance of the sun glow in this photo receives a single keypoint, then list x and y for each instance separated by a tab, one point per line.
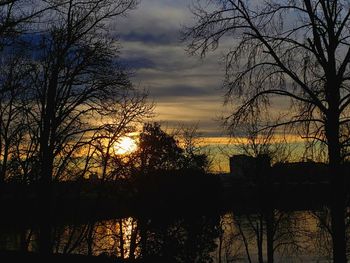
125	145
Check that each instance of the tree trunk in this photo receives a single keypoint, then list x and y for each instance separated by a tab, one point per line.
45	204
4	162
337	187
46	158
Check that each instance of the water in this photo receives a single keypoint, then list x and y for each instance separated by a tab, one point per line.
296	236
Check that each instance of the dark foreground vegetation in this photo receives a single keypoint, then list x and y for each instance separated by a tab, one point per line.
173	193
163	193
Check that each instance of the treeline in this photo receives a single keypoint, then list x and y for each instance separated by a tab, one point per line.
163	174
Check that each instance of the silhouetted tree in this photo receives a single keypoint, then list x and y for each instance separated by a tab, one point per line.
196	157
123	118
295	49
248	234
158	150
76	77
253	139
14	79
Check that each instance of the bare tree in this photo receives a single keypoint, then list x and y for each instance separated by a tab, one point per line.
123	118
196	156
75	77
14	78
295	49
252	233
252	138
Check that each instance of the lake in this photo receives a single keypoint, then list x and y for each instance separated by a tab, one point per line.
285	236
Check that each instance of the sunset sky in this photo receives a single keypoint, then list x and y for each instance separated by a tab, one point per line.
185	89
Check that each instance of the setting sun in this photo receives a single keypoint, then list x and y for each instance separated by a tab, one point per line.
125	145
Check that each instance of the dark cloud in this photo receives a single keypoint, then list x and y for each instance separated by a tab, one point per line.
155	38
182	91
137	62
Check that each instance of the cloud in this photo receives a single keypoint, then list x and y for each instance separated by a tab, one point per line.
185	89
162	38
137	63
154	22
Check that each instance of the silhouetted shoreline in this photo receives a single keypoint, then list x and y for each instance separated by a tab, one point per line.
172	194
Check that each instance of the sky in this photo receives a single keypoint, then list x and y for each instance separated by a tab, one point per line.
185	89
